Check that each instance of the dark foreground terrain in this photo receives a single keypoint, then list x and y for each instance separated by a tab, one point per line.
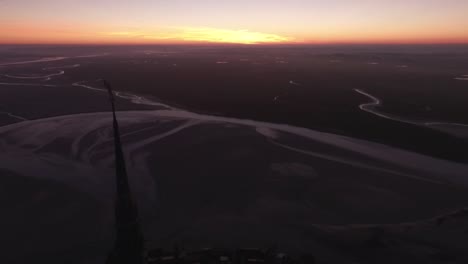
356	154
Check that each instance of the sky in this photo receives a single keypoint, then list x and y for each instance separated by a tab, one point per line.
232	21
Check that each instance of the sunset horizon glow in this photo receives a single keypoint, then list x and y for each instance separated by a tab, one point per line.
236	22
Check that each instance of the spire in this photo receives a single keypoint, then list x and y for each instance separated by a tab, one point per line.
128	247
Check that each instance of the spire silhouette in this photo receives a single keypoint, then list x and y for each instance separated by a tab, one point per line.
128	247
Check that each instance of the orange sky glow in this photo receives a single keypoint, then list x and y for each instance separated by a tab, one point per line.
242	22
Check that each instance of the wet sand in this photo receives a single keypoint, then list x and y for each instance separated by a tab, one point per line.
211	180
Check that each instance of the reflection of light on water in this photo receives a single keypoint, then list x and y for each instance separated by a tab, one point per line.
267	132
49	59
462	78
136	99
31	76
27	84
294	83
13	116
62	67
456	129
72	126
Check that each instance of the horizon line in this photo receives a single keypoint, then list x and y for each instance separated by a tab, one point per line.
237	44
